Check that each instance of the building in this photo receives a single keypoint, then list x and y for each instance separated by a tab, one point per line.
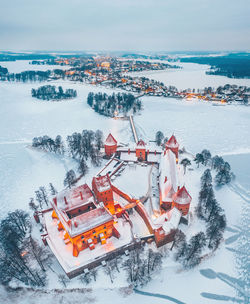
102	188
110	145
140	150
83	222
171	195
182	200
167	179
173	145
168	225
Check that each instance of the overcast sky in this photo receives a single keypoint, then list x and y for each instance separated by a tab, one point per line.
143	25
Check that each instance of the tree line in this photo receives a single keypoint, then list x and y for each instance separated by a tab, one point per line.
224	174
21	256
27	76
208	210
109	105
80	146
49	92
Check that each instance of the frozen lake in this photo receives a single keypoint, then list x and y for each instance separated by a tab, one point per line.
197	125
192	75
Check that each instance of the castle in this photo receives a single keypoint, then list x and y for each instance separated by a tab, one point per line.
87	217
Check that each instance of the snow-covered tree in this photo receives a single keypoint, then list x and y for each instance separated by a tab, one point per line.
69	179
206	156
199	159
159	136
185	162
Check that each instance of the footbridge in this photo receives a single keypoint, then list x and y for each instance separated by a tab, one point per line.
132	125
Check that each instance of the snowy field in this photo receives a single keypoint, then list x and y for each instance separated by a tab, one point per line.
192	75
223	130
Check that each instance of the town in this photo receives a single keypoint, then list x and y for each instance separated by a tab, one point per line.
112	72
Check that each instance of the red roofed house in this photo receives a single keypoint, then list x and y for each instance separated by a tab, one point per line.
84	222
110	145
103	191
182	200
140	150
173	145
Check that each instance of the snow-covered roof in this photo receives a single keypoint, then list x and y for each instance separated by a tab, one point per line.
168	175
88	221
182	196
102	183
128	156
73	198
172	143
174	216
110	140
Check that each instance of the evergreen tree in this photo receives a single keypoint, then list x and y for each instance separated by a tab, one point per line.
185	162
83	168
159	137
69	179
199	159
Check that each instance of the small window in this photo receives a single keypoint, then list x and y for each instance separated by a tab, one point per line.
82	237
104	227
93	231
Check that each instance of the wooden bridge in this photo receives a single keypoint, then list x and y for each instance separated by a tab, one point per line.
132	125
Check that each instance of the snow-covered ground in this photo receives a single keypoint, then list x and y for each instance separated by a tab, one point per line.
197	125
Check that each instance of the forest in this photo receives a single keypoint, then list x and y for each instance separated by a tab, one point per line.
111	105
232	65
49	92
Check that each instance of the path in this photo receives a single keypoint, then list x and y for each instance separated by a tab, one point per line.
157	295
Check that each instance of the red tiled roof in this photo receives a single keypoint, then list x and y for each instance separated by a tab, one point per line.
182	196
110	140
172	142
102	183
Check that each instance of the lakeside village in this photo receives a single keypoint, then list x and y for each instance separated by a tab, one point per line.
114	72
87	225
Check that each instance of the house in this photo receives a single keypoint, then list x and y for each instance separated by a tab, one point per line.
182	200
83	222
110	145
173	145
102	188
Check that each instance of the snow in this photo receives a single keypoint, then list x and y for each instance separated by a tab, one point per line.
133	180
19	66
173	221
102	183
23	118
196	125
